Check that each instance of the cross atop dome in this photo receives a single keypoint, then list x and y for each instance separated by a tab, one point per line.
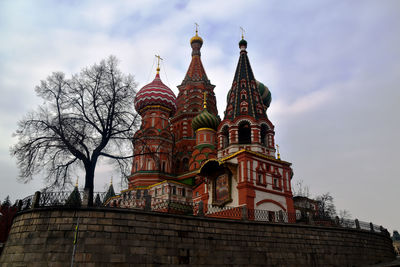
158	63
243	31
155	94
196	38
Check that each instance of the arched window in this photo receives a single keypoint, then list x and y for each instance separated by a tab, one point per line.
263	134
225	137
244	133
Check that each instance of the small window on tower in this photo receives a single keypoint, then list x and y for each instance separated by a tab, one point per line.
260	180
277	184
183	192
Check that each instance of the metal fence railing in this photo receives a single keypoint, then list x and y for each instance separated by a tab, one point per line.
165	205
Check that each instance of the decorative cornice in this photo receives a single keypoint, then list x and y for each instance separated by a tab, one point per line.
256	154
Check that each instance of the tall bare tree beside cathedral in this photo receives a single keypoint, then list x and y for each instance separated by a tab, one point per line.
81	120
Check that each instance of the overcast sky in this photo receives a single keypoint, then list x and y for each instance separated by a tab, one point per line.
333	68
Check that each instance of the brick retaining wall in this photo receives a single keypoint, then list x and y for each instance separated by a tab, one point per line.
113	237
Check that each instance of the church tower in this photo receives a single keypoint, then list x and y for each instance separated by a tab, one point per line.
153	142
204	125
246	144
189	105
245	123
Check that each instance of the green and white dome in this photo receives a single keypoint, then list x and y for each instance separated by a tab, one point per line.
264	93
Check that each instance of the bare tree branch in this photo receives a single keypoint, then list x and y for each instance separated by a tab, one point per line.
83	118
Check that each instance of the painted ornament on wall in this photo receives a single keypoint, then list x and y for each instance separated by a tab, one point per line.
222	190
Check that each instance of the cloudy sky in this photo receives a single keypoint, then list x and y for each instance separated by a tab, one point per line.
333	68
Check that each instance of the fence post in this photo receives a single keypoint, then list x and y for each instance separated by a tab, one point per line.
244	212
385	231
201	208
20	203
337	220
36	199
371	226
147	203
357	223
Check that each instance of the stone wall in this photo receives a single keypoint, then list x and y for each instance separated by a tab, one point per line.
113	237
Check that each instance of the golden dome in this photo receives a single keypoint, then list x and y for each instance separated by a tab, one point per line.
196	38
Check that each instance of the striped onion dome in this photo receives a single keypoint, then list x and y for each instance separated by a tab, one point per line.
205	120
265	94
155	94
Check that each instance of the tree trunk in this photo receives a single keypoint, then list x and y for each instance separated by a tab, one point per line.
89	182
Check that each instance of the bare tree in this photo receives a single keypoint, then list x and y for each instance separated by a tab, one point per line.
326	208
345	214
82	119
299	189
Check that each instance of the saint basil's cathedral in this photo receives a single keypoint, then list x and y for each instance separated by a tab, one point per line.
185	152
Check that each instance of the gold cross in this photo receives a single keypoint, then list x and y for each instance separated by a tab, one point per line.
158	63
197	27
243	31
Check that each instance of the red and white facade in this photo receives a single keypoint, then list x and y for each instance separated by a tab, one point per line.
183	144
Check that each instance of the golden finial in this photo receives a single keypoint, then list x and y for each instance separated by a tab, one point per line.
205	100
111	180
242	32
158	63
196	37
277	148
76	183
197	28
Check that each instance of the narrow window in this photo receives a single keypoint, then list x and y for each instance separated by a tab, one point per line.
183	192
276	184
263	134
244	133
225	137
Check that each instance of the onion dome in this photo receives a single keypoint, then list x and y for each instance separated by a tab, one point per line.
205	119
196	38
265	94
243	42
155	94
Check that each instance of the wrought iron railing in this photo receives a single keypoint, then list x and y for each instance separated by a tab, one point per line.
165	205
26	203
